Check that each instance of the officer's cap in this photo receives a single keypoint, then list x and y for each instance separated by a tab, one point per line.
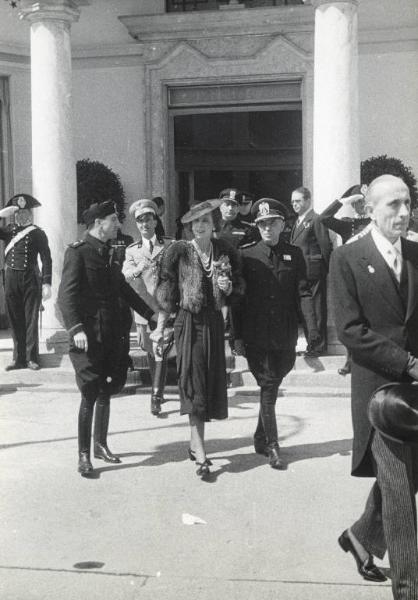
354	190
98	211
199	209
231	195
23	201
142	207
246	198
393	411
268	208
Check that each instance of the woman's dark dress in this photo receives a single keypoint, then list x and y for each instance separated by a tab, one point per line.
201	366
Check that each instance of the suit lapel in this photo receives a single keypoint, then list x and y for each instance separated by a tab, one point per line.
373	263
297	230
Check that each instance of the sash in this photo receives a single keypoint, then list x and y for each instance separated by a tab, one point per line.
17	238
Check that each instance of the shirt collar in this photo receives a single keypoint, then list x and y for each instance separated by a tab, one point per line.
145	241
384	246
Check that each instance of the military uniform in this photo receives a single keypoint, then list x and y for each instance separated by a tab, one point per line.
23	285
89	294
238	232
89	299
267	319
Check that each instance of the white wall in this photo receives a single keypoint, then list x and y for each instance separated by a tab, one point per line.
388	106
109	123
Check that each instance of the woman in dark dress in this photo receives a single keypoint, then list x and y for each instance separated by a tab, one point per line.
198	277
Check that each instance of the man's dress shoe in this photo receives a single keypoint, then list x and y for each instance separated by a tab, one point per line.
14	366
275	460
33	365
366	568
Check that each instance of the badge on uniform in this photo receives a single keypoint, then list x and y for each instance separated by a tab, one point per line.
21	202
287	257
371	269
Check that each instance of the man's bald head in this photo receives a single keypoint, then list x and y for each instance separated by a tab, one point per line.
380	185
388	203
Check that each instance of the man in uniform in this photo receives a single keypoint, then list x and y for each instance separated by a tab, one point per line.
141	269
375	286
236	231
245	203
25	286
266	322
312	238
88	298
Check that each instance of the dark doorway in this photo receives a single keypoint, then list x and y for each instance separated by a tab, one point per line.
258	151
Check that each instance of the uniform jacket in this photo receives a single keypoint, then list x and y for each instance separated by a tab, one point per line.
238	232
345	227
377	319
91	287
313	239
145	283
24	254
182	278
276	286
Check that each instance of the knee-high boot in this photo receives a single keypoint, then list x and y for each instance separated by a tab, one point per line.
101	426
260	440
268	416
85	417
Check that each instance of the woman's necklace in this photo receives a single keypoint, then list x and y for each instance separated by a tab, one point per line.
206	258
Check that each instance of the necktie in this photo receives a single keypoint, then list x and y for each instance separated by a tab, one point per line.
151	247
396	264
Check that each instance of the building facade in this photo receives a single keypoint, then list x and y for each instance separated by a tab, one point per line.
182	99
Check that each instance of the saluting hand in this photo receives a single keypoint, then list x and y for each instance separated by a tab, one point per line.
8	211
80	341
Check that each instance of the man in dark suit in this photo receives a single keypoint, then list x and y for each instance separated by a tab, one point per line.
89	299
312	238
375	296
265	323
25	284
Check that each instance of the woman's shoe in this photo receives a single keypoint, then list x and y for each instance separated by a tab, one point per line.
192	456
203	469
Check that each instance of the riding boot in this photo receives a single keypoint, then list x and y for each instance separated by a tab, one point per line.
85	417
101	425
157	395
268	415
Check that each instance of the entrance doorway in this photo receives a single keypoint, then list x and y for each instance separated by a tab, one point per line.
257	149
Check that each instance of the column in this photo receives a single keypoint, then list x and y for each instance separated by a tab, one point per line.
336	145
53	164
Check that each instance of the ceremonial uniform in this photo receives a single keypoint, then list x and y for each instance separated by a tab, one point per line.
23	286
238	232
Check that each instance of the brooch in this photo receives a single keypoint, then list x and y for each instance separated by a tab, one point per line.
371	269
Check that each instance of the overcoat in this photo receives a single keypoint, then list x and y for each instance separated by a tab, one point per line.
377	320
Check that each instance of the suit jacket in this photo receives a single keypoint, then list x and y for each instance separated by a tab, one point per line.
267	317
377	319
313	239
146	282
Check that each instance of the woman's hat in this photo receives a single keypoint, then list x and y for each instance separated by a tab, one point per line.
201	208
393	411
23	201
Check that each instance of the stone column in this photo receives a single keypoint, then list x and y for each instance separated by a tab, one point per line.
336	146
53	164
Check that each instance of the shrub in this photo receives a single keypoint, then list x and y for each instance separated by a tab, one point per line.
97	183
380	165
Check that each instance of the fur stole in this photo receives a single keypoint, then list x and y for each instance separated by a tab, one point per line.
182	277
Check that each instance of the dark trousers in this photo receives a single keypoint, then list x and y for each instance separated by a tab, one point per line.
389	521
269	367
319	297
23	299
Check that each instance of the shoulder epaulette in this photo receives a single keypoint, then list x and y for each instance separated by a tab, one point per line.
249	245
138	243
76	244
